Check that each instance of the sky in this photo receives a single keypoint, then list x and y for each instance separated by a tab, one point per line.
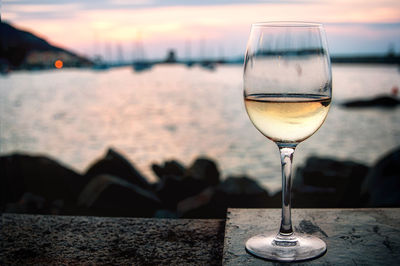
127	29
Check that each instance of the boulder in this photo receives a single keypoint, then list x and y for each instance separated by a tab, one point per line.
169	168
107	195
177	183
379	101
40	176
241	192
35	204
173	189
204	169
382	184
233	192
28	203
113	163
195	202
325	182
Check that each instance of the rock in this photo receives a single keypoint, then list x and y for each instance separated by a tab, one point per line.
172	167
40	176
199	200
328	173
382	184
29	203
35	204
233	192
178	184
324	182
241	192
113	163
163	213
205	170
107	195
380	101
173	189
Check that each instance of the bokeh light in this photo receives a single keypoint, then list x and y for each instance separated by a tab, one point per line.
58	64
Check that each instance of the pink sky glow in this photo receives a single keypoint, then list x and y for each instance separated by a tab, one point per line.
358	26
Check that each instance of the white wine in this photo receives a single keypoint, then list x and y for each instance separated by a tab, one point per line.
287	118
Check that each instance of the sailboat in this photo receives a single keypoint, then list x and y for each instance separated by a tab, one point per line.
98	63
140	64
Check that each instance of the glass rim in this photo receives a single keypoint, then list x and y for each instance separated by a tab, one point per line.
294	24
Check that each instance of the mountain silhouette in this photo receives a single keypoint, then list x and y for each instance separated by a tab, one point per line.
22	49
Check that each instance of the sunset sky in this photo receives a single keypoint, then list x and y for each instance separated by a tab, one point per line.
114	28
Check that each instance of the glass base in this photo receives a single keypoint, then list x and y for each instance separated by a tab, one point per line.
279	247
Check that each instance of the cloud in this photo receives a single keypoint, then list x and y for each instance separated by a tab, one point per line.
325	11
131	3
43	11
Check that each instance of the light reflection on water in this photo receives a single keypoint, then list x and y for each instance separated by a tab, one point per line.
176	112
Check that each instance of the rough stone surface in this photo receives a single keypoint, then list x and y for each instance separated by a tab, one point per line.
55	240
353	236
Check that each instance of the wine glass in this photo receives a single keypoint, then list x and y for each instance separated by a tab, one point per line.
287	92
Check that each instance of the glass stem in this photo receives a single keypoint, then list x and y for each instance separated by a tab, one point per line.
286	152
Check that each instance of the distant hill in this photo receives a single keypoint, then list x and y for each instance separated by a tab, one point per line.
23	50
389	58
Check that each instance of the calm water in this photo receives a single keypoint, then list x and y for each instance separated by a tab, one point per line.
175	112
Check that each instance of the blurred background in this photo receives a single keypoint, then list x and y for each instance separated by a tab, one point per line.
161	80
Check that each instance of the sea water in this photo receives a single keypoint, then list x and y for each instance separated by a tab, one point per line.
175	112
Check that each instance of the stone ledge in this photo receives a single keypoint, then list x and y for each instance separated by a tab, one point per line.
353	236
43	240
